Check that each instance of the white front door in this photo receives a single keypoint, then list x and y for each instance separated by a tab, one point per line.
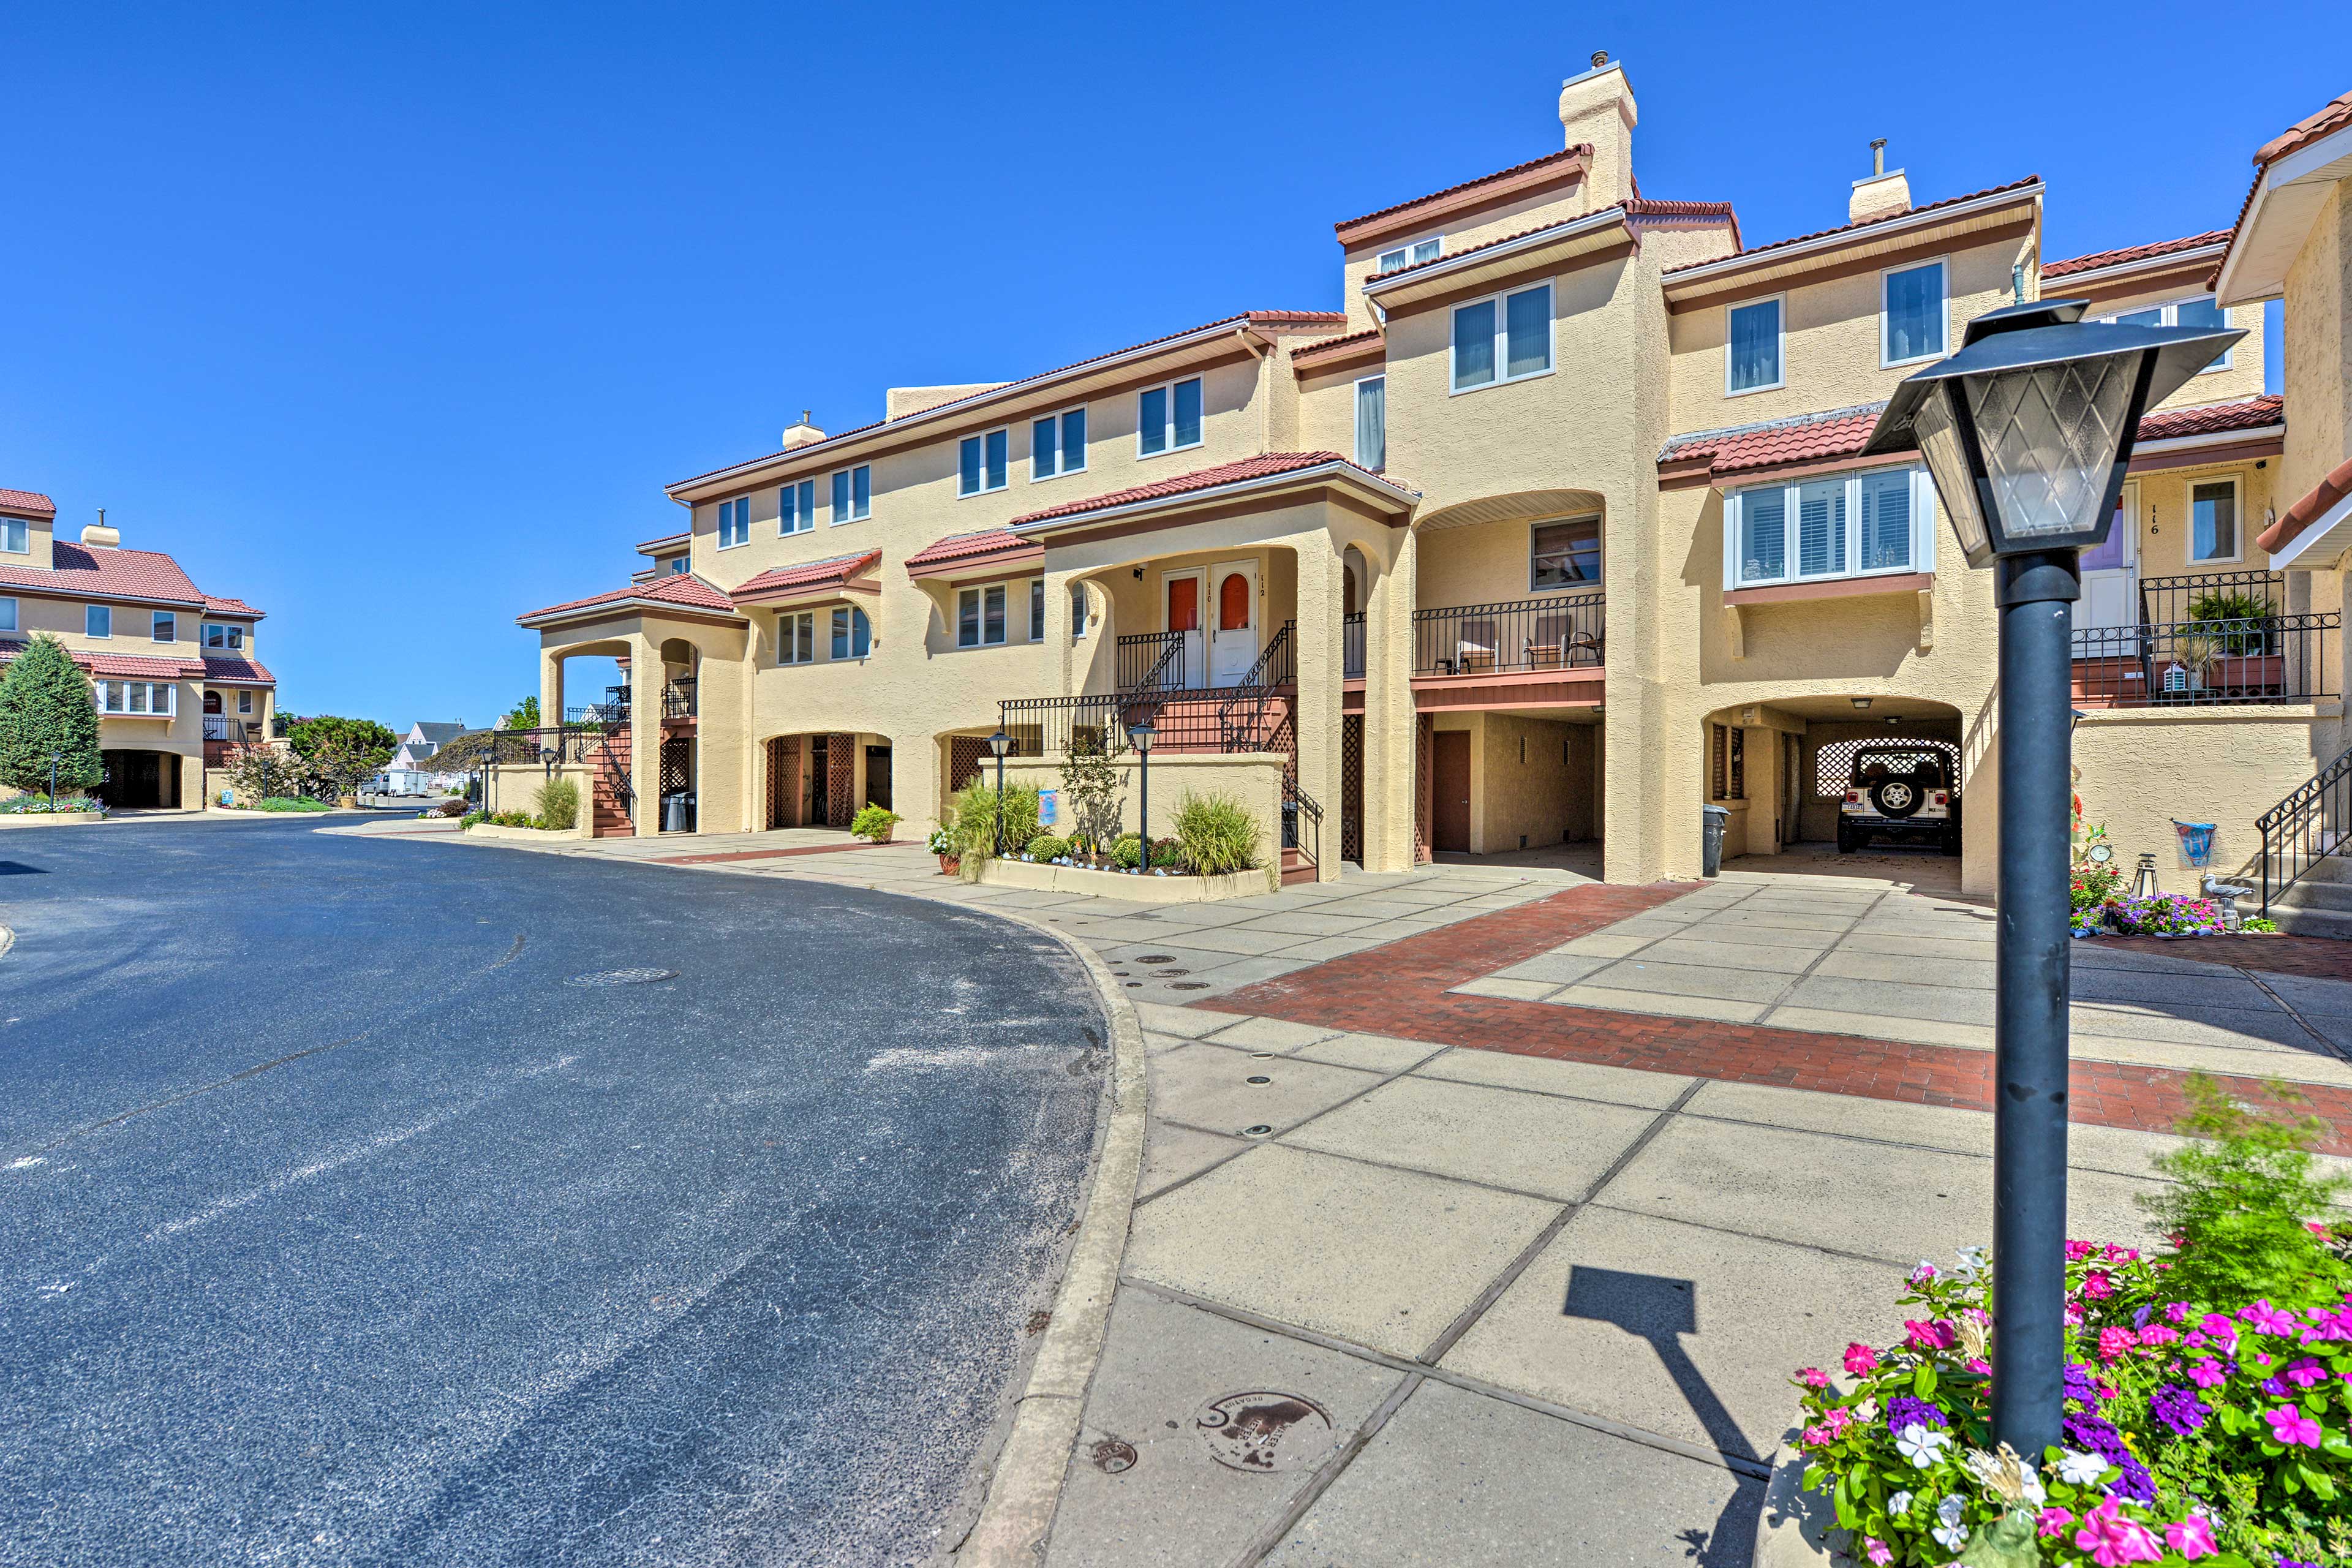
2111	584
1184	592
1233	612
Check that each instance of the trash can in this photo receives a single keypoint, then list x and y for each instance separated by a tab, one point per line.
1711	844
674	814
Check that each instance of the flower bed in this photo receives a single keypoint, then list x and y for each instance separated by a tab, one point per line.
2159	914
39	806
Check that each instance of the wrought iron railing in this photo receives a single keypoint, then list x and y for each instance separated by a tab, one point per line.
2242	659
1242	717
1302	822
1045	726
2305	829
2163	600
1151	661
678	698
1351	637
1557	632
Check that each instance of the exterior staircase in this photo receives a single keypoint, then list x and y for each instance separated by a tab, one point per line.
609	808
1298	868
2319	903
2307	881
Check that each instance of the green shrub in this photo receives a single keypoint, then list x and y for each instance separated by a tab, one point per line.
290	802
974	817
45	711
874	822
1165	853
557	805
2240	619
1215	833
2245	1187
1046	847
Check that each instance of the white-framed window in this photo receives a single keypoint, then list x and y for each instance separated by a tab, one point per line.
983	462
223	638
164	627
155	699
16	536
1412	254
1167	418
1504	337
7	614
1373	422
734	523
852	495
796	637
2200	312
796	508
2214	520
852	637
1057	444
245	701
97	621
1565	553
980	617
1077	611
1841	525
674	567
1036	609
1914	313
1755	340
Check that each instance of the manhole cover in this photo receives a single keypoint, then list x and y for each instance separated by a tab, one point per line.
1156	958
1260	1130
1188	985
1264	1433
623	977
1111	1456
1258	1078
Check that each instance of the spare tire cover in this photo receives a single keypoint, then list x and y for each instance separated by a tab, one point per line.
1898	797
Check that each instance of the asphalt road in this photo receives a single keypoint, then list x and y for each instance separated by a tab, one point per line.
339	1225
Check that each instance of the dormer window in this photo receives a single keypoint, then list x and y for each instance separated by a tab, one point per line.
1411	255
16	536
222	638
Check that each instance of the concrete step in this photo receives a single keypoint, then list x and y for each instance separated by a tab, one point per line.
2310	893
2298	922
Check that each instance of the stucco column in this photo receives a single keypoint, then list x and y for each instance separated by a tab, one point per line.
550	689
646	675
1389	715
1320	637
1060	656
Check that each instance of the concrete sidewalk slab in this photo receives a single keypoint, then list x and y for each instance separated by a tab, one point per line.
1542	1074
1542	1145
1199	1085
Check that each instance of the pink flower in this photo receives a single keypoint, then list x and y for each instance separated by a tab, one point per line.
2178	1311
2192	1538
1938	1335
1876	1550
2113	1342
2122	1253
2291	1425
2074	1314
1813	1377
2078	1250
2097	1286
1838	1420
2054	1520
1924	1274
2157	1334
2222	1331
2315	1228
2112	1540
2267	1319
2305	1372
1816	1436
1980	1366
1861	1360
2207	1374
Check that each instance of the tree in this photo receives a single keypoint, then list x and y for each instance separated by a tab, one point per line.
524	715
1091	788
363	737
46	708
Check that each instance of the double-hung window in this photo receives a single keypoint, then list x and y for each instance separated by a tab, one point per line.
734	523
852	495
1036	609
1411	255
16	536
1564	554
1077	611
224	638
1506	337
980	617
1912	312
1167	418
1845	525
1373	422
97	621
1753	342
2214	520
674	567
1057	444
796	637
852	637
796	508
2199	312
245	701
7	614
165	626
983	463
155	699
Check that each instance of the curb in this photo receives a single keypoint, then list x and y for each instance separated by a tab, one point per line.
1024	1484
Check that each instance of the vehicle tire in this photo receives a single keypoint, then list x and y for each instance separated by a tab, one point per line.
1951	845
1848	839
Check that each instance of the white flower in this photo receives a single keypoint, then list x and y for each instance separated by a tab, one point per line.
1951	1535
1921	1445
1899	1503
1949	1510
2076	1469
1972	1262
2030	1489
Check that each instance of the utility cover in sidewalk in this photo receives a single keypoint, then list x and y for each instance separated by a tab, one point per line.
1264	1433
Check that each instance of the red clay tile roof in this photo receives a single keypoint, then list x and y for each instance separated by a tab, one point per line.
1334	345
959	546
1243	318
238	672
2098	258
2325	498
1266	465
2207	419
217	606
808	574
667	542
1581	150
1864	223
80	571
683	589
117	666
1632	206
27	503
2335	116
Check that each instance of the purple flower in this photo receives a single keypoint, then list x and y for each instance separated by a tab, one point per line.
2178	1408
2079	1386
2098	1436
2275	1388
1905	1411
2305	1372
2267	1319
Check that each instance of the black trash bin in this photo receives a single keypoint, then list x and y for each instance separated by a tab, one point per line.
1711	850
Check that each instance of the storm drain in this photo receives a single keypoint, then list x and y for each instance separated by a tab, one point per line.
623	977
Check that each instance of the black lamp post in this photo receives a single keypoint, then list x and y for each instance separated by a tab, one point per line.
1000	743
1141	736
2027	432
54	758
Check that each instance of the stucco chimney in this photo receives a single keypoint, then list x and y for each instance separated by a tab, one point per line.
802	434
1598	108
99	533
1884	193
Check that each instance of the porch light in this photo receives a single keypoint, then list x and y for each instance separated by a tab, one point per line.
1861	704
1000	743
1141	736
2027	432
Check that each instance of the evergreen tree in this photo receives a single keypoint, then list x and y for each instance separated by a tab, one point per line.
46	707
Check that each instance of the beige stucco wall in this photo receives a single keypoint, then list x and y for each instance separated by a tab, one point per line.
1462	231
1253	778
2317	371
2226	766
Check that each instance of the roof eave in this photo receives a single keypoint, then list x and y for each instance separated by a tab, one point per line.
2255	269
1446	272
1395	496
2120	271
634	605
1690	279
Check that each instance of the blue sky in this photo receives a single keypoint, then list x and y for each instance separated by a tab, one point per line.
395	319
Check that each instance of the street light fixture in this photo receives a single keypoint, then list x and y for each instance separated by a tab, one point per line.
54	758
1000	743
2027	432
1141	736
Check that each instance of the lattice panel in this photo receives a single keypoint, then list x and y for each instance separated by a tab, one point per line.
840	776
674	765
1424	787
784	781
966	754
1351	788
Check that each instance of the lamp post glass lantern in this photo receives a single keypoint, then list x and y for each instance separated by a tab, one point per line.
1141	736
2027	432
1000	743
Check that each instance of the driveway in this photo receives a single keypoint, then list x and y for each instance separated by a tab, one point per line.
340	1222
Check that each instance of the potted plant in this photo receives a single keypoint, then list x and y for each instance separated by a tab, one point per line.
874	823
2239	625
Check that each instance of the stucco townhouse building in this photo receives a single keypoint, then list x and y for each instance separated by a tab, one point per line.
174	671
1555	531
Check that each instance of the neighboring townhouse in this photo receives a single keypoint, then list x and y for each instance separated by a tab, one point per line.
174	671
411	769
1555	532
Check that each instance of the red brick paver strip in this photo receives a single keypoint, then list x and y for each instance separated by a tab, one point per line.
2313	957
1402	989
773	854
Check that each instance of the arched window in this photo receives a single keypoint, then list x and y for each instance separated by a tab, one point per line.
212	703
1233	603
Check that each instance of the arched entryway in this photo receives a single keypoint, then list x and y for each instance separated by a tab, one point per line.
820	779
1781	768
